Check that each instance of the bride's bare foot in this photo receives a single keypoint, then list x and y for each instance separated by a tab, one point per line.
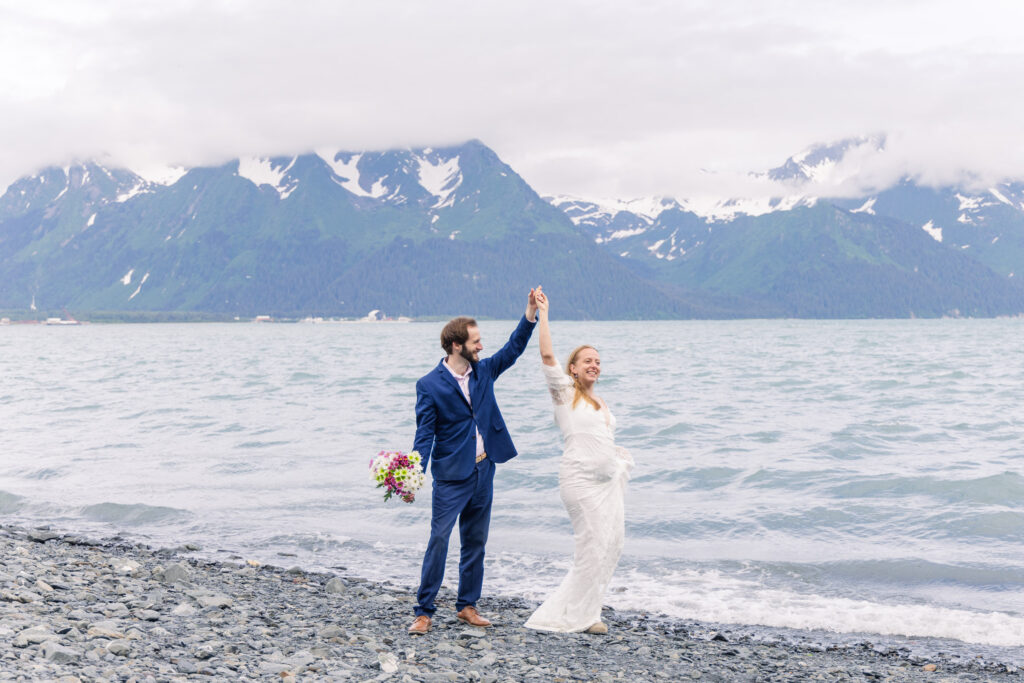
600	628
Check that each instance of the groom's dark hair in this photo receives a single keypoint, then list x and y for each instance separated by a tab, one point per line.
456	332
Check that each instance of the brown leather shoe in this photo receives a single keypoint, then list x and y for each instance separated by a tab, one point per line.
420	626
469	615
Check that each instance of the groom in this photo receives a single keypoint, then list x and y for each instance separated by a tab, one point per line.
459	426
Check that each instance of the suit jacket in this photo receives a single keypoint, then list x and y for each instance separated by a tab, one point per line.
446	423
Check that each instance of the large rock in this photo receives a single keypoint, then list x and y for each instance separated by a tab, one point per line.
300	660
175	573
388	662
33	636
183	610
55	652
105	629
277	668
20	595
41	535
204	652
123	565
210	599
335	585
331	632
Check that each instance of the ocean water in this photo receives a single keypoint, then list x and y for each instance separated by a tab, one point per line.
847	477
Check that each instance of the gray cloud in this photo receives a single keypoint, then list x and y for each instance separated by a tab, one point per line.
592	98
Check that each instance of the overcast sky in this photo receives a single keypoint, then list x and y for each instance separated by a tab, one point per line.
593	98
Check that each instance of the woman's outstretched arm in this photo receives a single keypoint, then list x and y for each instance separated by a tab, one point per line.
547	351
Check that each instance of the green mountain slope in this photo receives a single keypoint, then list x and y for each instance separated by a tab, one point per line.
431	232
292	236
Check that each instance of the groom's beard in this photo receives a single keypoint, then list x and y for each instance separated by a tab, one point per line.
473	357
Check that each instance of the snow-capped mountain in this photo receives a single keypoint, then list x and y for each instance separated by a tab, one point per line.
609	220
425	231
88	184
434	231
425	177
987	224
698	244
828	164
397	177
963	216
662	227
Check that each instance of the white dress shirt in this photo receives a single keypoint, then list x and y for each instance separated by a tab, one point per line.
463	381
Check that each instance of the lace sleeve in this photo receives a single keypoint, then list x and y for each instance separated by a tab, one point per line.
559	384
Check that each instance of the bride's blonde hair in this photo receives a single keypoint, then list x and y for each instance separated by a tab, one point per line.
575	381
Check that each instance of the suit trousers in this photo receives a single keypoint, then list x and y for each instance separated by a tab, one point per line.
468	501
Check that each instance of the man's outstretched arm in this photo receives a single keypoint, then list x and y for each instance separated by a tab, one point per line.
516	344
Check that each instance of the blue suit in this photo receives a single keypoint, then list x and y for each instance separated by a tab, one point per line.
446	426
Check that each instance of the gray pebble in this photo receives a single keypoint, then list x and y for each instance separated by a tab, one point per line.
212	619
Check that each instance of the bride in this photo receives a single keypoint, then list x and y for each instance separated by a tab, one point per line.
592	479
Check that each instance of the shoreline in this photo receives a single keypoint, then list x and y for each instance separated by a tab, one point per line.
77	609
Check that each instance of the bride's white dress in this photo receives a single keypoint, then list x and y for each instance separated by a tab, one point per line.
592	480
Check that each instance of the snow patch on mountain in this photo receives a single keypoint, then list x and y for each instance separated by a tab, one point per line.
711	209
724	211
867	207
379	188
821	172
138	188
672	252
161	174
825	162
581	211
345	167
930	228
620	234
262	171
998	195
440	179
968	203
648	208
139	288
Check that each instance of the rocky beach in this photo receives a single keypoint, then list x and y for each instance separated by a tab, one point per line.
78	609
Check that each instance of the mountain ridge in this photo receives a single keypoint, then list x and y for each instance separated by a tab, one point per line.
339	233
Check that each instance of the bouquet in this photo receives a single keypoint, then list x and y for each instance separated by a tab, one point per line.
398	474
